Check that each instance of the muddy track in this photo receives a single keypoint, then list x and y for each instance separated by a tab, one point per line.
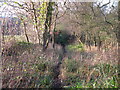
57	71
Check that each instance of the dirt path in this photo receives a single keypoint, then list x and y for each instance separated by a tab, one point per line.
57	68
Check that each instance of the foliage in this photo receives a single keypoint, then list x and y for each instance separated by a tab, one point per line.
44	81
63	37
26	65
103	76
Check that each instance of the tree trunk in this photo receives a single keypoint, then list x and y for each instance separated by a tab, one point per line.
55	23
99	43
47	26
118	33
26	32
118	39
36	22
3	31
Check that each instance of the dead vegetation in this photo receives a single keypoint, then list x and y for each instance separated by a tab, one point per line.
25	65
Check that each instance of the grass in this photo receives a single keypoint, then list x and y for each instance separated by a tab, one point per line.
76	47
71	65
35	70
15	37
99	76
30	70
18	48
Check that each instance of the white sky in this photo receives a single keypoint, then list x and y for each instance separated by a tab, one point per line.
8	10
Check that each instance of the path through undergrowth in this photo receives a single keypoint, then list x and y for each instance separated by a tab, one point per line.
29	67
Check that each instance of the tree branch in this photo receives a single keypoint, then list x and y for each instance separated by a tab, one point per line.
105	4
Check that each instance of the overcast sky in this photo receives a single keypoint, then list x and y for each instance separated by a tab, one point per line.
6	10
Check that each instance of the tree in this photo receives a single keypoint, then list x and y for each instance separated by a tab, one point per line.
92	23
25	29
47	24
118	34
118	39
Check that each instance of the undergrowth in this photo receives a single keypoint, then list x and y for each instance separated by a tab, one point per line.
33	69
99	76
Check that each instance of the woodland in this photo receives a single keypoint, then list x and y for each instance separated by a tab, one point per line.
66	44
